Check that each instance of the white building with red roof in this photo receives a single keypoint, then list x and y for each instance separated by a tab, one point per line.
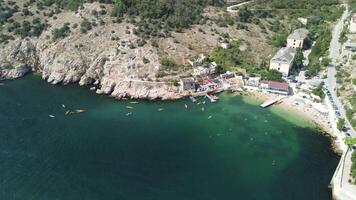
275	87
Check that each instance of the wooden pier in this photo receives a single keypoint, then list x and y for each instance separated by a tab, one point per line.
271	102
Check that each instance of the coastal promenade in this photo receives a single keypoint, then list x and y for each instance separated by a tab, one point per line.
342	189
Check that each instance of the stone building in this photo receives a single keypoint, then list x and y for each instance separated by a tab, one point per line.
297	38
283	60
187	84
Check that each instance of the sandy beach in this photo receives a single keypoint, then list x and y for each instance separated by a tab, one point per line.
305	110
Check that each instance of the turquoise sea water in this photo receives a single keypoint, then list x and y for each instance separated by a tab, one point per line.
232	150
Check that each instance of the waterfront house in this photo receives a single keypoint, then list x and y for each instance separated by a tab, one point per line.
205	70
275	87
297	38
252	82
353	24
211	84
227	75
187	84
283	60
197	61
230	81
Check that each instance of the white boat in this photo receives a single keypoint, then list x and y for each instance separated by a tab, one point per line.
63	106
186	106
192	99
210	117
128	114
51	116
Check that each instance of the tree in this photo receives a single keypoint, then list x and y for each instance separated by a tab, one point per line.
167	63
353	167
245	14
227	58
272	75
220	69
298	61
340	123
119	8
85	26
279	39
62	32
319	91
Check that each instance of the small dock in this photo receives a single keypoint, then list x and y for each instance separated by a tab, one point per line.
271	102
212	97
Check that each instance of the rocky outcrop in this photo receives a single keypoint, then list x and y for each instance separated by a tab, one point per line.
108	57
111	73
17	59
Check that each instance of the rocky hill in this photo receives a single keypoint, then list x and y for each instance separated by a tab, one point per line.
118	54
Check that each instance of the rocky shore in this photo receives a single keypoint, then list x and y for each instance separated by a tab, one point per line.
103	68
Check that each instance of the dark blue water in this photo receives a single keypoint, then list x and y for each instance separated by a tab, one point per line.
232	150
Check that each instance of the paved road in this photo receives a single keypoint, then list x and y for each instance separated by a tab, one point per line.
334	51
233	9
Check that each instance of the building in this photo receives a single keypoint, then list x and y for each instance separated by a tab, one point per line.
283	60
350	46
353	24
308	19
197	61
275	87
187	84
297	38
253	82
224	45
205	71
230	81
227	75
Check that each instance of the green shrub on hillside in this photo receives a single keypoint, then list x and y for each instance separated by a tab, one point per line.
319	50
85	26
353	167
62	32
319	91
279	39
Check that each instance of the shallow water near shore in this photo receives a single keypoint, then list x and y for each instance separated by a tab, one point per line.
231	150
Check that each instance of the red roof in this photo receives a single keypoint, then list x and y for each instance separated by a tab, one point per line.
277	85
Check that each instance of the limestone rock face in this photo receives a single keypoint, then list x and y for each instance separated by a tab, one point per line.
115	69
107	57
17	59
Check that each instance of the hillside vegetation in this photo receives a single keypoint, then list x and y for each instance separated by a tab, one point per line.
278	18
178	30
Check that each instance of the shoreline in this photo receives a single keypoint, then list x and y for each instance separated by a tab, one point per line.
257	97
303	111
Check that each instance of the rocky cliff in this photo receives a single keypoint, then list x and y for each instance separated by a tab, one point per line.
107	58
